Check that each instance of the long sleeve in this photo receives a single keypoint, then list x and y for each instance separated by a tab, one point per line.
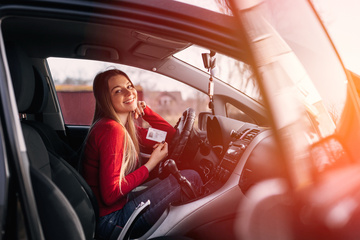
111	148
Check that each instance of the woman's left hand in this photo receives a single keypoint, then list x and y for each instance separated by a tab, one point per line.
139	111
159	153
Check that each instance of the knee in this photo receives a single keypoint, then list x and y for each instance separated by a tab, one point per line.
192	176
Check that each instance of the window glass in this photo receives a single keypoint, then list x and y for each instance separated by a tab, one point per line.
235	113
231	71
304	63
73	82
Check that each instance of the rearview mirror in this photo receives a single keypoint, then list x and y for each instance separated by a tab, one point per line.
209	60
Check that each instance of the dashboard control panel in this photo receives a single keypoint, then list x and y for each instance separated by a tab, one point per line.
234	152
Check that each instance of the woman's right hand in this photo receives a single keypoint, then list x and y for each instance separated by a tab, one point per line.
139	111
160	152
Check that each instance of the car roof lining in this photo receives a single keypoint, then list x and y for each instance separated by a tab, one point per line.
133	29
89	41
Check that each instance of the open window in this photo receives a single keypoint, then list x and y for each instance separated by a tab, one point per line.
74	78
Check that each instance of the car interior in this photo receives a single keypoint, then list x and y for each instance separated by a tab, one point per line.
231	155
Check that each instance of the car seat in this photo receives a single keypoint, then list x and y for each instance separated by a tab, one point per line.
46	163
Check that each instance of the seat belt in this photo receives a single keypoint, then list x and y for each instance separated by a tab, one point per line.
127	229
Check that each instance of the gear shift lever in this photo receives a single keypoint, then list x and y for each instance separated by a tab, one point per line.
186	186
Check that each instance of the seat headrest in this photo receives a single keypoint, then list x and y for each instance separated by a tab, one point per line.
22	76
30	86
41	94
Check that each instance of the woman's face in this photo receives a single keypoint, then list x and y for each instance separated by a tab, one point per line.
123	94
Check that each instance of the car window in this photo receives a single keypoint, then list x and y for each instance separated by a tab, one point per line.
236	113
74	77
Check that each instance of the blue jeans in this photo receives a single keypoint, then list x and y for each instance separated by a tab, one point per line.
161	194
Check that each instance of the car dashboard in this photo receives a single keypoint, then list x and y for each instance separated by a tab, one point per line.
238	155
244	149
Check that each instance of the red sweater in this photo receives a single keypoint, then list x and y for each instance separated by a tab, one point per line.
103	159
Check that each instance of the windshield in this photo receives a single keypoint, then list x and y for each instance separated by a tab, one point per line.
237	74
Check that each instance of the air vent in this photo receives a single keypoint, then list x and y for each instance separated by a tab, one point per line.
248	135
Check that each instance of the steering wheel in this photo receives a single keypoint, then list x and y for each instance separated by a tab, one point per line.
183	128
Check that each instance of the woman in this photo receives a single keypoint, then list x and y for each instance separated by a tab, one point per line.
111	165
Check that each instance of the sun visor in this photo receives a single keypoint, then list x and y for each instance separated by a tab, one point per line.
156	47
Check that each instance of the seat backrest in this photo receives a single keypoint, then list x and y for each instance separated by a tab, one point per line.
58	219
65	179
74	186
54	143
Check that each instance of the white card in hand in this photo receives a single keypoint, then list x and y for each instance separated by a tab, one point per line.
156	135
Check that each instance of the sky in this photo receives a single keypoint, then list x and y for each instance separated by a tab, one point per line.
342	20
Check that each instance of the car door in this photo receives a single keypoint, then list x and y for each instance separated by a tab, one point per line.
313	128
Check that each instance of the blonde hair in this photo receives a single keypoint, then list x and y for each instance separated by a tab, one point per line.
104	109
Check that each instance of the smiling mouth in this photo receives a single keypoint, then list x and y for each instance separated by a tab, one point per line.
129	101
